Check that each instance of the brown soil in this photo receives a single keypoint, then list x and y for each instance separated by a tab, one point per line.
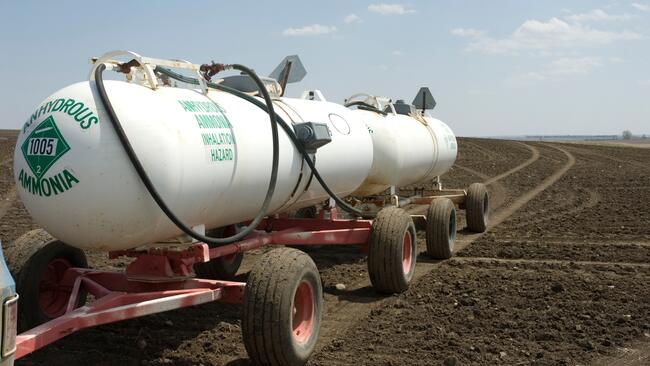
562	279
501	313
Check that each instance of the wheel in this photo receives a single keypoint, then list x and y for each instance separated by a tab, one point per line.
282	308
477	206
441	228
392	251
222	268
38	263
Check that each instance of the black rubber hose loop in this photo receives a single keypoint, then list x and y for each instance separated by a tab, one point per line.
366	107
285	126
152	189
275	120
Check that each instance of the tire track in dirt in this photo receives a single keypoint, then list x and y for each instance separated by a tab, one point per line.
489	152
501	215
572	241
592	201
634	163
353	302
637	354
548	261
489	155
498	191
534	156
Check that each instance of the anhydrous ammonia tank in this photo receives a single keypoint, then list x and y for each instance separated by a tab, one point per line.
209	156
406	150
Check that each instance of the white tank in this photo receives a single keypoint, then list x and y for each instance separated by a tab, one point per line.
406	150
208	156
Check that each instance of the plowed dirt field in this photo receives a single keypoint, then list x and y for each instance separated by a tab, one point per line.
561	277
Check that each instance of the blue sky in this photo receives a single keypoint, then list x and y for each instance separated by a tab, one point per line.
495	67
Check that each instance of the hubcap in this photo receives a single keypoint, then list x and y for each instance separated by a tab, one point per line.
407	252
303	312
53	295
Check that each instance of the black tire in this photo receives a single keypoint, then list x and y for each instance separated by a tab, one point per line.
28	258
390	267
222	268
477	206
277	281
441	228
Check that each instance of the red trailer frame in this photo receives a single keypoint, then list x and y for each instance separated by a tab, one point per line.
162	278
159	280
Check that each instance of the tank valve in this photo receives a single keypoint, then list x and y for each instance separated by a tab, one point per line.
211	70
312	135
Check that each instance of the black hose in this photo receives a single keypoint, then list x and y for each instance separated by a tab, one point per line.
285	126
366	107
152	190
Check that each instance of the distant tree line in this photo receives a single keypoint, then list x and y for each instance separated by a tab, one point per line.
627	135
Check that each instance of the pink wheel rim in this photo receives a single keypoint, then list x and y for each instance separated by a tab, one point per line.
303	312
53	295
407	252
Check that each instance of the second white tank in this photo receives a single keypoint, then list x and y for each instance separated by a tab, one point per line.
406	150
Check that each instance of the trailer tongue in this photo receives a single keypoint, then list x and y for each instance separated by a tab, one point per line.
184	180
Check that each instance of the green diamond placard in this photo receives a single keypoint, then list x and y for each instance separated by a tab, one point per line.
43	147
